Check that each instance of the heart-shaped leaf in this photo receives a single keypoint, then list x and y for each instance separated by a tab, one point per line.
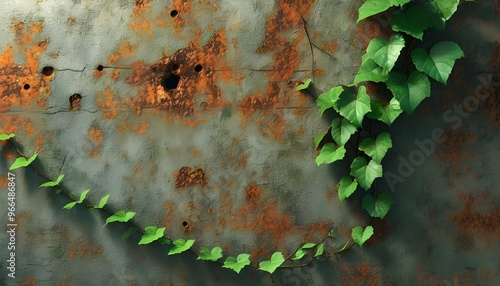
416	20
346	187
271	265
305	85
102	202
370	71
409	93
83	196
377	207
237	263
364	172
354	107
447	7
53	183
318	138
329	99
385	54
120	216
180	245
342	129
151	233
439	62
360	236
69	206
377	148
303	251
206	254
386	114
373	7
329	154
22	162
6	136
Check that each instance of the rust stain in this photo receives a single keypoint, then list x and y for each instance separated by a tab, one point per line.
361	274
262	101
126	50
95	137
451	150
286	61
82	248
107	101
183	8
185	178
29	282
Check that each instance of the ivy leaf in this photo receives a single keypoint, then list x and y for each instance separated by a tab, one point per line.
72	204
377	148
22	162
303	250
360	236
377	207
83	196
180	245
353	107
120	216
237	263
329	154
206	254
164	241
151	233
4	137
447	7
385	114
129	232
332	233
385	54
342	248
271	265
346	187
305	85
409	93
370	71
69	205
318	138
342	129
365	173
439	62
416	20
319	250
373	7
329	99
102	202
53	183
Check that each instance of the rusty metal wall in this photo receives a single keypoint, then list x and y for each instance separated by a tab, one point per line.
186	112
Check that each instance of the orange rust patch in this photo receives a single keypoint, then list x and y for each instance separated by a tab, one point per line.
29	282
15	124
452	150
95	137
285	62
185	178
107	100
251	103
277	127
183	8
360	274
126	50
99	73
372	27
330	47
82	248
114	75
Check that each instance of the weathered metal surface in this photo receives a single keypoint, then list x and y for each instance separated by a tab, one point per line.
186	112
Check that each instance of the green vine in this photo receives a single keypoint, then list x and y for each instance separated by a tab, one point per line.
356	112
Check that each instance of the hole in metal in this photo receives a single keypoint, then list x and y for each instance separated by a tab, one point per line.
74	102
170	81
185	224
48	71
175	67
174	13
198	68
26	86
100	68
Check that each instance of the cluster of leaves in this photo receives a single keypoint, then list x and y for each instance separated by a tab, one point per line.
358	113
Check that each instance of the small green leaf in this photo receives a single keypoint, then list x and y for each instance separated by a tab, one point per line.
238	263
319	250
206	254
346	187
129	232
303	250
365	173
22	162
409	93
53	183
360	236
4	137
103	202
332	233
342	129
386	114
329	99
447	7
342	248
58	191
69	205
377	148
308	245
164	241
318	138
416	20
377	207
120	216
439	62
353	107
271	265
305	85
181	245
83	196
329	154
373	7
151	233
385	54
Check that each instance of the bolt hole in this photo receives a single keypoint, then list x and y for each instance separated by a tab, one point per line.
48	71
198	68
26	86
170	81
100	68
174	13
185	224
175	67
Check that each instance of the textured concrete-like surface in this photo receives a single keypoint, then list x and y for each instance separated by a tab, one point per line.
193	119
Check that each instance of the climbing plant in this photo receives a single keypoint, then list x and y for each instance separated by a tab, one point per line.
358	113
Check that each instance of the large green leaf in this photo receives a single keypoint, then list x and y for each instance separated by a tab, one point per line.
120	216
447	7
373	7
411	92
4	136
416	20
439	62
206	254
342	129
377	148
271	265
237	263
151	233
386	114
22	162
377	207
346	187
329	154
180	245
329	99
360	236
354	107
365	173
370	71
385	53
52	183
